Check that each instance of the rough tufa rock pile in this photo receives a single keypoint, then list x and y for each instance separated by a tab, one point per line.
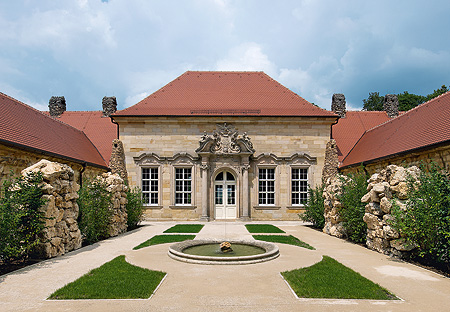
117	159
390	184
333	222
117	188
60	192
330	168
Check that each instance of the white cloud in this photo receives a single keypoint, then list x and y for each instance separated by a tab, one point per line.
247	57
134	99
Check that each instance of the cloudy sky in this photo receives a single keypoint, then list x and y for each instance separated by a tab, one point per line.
87	49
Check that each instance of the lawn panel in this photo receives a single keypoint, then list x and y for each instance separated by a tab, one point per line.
263	228
185	228
284	239
163	239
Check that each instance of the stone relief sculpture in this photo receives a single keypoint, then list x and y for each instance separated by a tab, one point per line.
225	141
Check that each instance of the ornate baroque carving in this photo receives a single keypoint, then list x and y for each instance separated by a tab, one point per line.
225	141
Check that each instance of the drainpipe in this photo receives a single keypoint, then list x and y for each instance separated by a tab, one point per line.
331	128
114	122
81	174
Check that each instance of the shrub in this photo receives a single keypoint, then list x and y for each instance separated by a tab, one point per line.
135	207
95	211
426	221
354	187
314	208
21	219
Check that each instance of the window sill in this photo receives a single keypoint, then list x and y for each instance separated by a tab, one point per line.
182	207
266	207
302	207
152	206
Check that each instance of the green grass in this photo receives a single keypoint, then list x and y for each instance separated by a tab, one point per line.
116	279
185	228
263	228
291	240
163	239
330	279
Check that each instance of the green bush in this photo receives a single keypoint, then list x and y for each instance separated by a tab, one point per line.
314	207
21	219
95	211
135	207
354	187
426	221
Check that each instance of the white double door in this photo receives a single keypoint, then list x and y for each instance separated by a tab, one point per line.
225	196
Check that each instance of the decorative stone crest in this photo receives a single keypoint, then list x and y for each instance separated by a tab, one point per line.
225	141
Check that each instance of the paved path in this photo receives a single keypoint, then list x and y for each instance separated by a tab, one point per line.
255	287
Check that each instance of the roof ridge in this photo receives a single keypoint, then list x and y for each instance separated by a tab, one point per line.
407	113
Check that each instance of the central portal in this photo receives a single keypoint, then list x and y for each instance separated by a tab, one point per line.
225	196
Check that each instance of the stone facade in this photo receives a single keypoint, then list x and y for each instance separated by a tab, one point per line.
13	160
384	187
116	186
168	143
60	189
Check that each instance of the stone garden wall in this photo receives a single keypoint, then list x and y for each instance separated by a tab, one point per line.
61	209
60	189
385	187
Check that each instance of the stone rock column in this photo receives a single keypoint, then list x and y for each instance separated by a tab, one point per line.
391	105
338	104
333	222
117	160
116	186
330	168
56	106
109	105
61	209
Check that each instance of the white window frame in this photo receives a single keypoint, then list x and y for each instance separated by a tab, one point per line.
267	181
299	180
183	191
150	179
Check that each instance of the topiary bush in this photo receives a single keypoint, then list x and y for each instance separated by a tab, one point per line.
425	222
21	217
314	207
135	207
95	210
354	187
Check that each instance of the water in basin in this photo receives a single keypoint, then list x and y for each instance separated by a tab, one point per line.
213	250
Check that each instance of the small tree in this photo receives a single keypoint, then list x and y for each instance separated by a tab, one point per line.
95	210
314	208
135	207
21	217
352	210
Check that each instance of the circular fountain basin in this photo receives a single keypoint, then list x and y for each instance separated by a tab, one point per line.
208	252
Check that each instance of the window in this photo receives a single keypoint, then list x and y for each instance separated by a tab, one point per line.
150	186
183	186
299	186
266	188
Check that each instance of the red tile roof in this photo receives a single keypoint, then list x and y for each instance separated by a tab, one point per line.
100	130
350	129
203	93
424	126
28	128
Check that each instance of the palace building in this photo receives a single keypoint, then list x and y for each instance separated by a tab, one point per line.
224	145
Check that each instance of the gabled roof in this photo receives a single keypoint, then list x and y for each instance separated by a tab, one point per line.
205	93
424	126
25	127
350	129
100	130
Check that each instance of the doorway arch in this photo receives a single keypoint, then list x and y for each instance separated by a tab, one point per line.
225	195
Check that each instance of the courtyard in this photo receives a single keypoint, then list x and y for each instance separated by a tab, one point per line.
252	287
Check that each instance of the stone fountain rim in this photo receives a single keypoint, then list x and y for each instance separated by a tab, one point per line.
176	252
